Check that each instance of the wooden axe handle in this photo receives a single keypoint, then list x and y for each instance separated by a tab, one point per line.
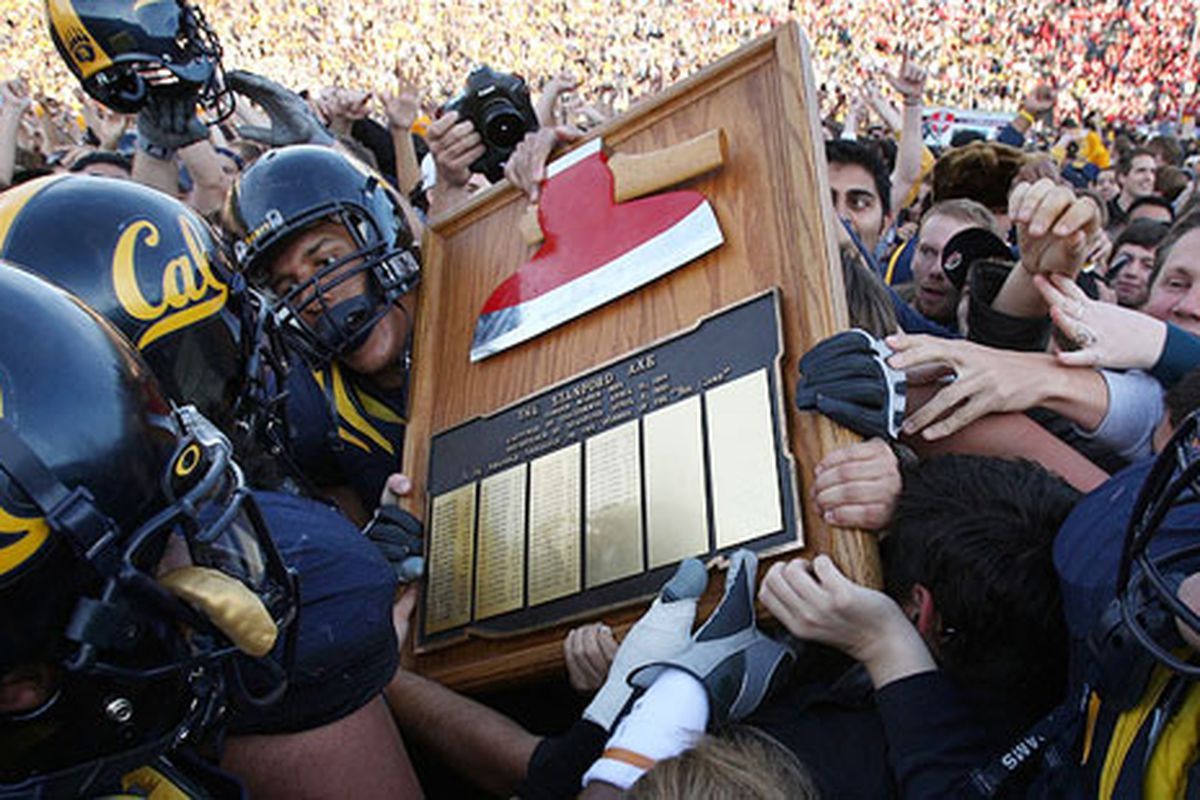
634	176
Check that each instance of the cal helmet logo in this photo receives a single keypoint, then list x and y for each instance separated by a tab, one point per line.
80	45
190	291
20	537
88	56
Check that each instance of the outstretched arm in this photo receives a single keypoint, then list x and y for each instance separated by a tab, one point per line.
909	81
16	101
989	381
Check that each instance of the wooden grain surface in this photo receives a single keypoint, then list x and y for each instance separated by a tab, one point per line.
772	201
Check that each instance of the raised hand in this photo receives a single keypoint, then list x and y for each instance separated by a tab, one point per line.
1040	100
403	106
1056	230
455	146
16	98
909	80
106	124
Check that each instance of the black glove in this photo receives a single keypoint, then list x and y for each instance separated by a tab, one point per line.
847	378
169	122
292	120
397	534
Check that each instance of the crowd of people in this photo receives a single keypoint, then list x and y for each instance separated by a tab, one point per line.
1126	60
209	271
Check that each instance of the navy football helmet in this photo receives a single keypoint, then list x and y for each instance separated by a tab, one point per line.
1151	570
293	188
134	564
150	266
123	50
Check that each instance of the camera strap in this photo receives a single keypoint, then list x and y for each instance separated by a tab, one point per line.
1053	737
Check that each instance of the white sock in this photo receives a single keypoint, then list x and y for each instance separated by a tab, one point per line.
664	722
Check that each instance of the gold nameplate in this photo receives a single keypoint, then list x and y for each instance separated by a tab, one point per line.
500	574
451	553
554	525
676	502
613	497
742	460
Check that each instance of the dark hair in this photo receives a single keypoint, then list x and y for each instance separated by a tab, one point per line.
867	300
1183	398
844	151
980	171
1151	200
1170	182
978	533
1166	149
1125	164
964	136
103	157
1147	233
1185	224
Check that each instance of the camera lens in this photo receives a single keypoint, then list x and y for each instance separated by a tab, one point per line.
503	125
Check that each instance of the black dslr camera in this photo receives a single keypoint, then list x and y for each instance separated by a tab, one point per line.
497	104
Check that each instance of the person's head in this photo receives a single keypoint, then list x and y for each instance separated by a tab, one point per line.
936	297
151	266
1169	183
1175	286
735	763
1167	151
980	171
1135	174
1181	400
1132	262
969	556
1106	184
1151	207
111	46
133	565
329	240
104	164
861	187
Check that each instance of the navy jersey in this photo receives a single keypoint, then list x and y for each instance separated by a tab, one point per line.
345	430
1087	549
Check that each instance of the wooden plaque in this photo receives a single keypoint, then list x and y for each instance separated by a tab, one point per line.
771	198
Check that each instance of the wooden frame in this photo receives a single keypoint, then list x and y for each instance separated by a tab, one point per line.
772	201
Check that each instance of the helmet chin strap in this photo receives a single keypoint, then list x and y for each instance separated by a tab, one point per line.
71	511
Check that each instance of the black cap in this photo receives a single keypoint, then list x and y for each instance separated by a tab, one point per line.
968	246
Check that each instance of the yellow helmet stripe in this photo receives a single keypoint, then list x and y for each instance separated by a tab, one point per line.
14	199
76	39
35	532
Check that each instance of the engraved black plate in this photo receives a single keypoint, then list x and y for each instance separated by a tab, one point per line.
734	343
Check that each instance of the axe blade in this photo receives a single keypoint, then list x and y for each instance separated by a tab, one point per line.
686	240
